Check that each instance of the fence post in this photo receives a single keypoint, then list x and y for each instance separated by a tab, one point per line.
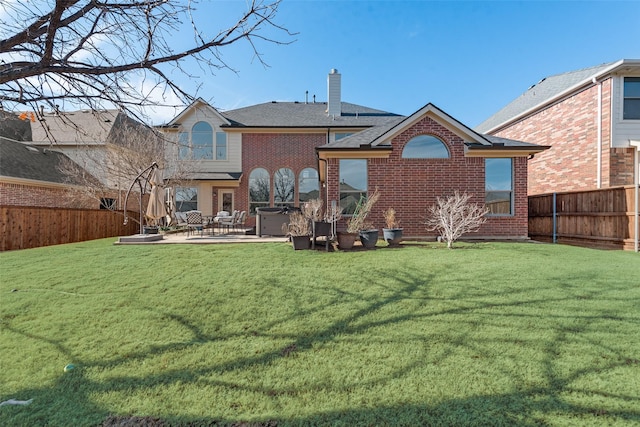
555	221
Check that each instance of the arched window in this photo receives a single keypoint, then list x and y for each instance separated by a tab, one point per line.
284	182
259	185
425	147
202	141
308	185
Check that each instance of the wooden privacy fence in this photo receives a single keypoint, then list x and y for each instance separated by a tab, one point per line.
24	227
602	218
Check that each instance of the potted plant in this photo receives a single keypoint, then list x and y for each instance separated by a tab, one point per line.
298	230
358	225
312	210
392	234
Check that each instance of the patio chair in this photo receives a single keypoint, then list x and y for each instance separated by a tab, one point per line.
239	224
195	222
181	220
228	222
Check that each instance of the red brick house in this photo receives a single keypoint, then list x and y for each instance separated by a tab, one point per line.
283	153
591	120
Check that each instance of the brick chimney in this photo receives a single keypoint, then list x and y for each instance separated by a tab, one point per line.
334	104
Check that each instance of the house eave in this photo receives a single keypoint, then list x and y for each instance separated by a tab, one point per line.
484	151
364	152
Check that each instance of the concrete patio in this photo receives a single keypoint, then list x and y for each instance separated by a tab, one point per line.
182	238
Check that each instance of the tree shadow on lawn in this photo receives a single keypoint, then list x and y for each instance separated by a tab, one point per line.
68	401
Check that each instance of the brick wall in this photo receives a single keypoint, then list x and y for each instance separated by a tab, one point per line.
411	186
273	151
13	194
570	127
16	194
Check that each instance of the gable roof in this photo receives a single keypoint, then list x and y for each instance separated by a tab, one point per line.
198	103
23	161
548	90
277	114
379	137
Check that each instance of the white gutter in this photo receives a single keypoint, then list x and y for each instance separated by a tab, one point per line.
599	138
636	166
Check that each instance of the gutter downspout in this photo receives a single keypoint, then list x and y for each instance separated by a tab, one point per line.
599	138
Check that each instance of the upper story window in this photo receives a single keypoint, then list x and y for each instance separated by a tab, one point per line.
631	108
202	141
353	183
199	143
425	147
498	186
221	146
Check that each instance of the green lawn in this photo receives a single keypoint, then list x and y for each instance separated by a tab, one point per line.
486	334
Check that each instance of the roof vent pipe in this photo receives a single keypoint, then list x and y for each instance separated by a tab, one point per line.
306	96
334	104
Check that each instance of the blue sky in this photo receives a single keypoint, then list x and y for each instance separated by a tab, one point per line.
468	58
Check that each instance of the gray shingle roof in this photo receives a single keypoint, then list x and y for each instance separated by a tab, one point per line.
495	140
540	93
366	136
19	160
75	126
299	114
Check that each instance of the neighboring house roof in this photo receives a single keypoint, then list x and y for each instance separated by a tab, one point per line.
550	89
19	160
304	115
12	127
75	126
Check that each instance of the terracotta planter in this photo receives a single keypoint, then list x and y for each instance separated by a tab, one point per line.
301	242
393	236
346	240
369	238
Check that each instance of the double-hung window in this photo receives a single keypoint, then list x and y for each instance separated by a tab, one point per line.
186	199
499	186
353	183
631	107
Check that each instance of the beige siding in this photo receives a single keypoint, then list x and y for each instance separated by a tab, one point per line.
621	130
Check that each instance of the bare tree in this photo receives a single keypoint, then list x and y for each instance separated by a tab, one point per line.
130	148
454	216
93	53
283	187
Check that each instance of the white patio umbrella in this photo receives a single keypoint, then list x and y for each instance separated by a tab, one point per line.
156	208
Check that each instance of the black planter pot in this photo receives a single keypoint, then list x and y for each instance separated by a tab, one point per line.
393	236
301	242
369	238
150	229
322	228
